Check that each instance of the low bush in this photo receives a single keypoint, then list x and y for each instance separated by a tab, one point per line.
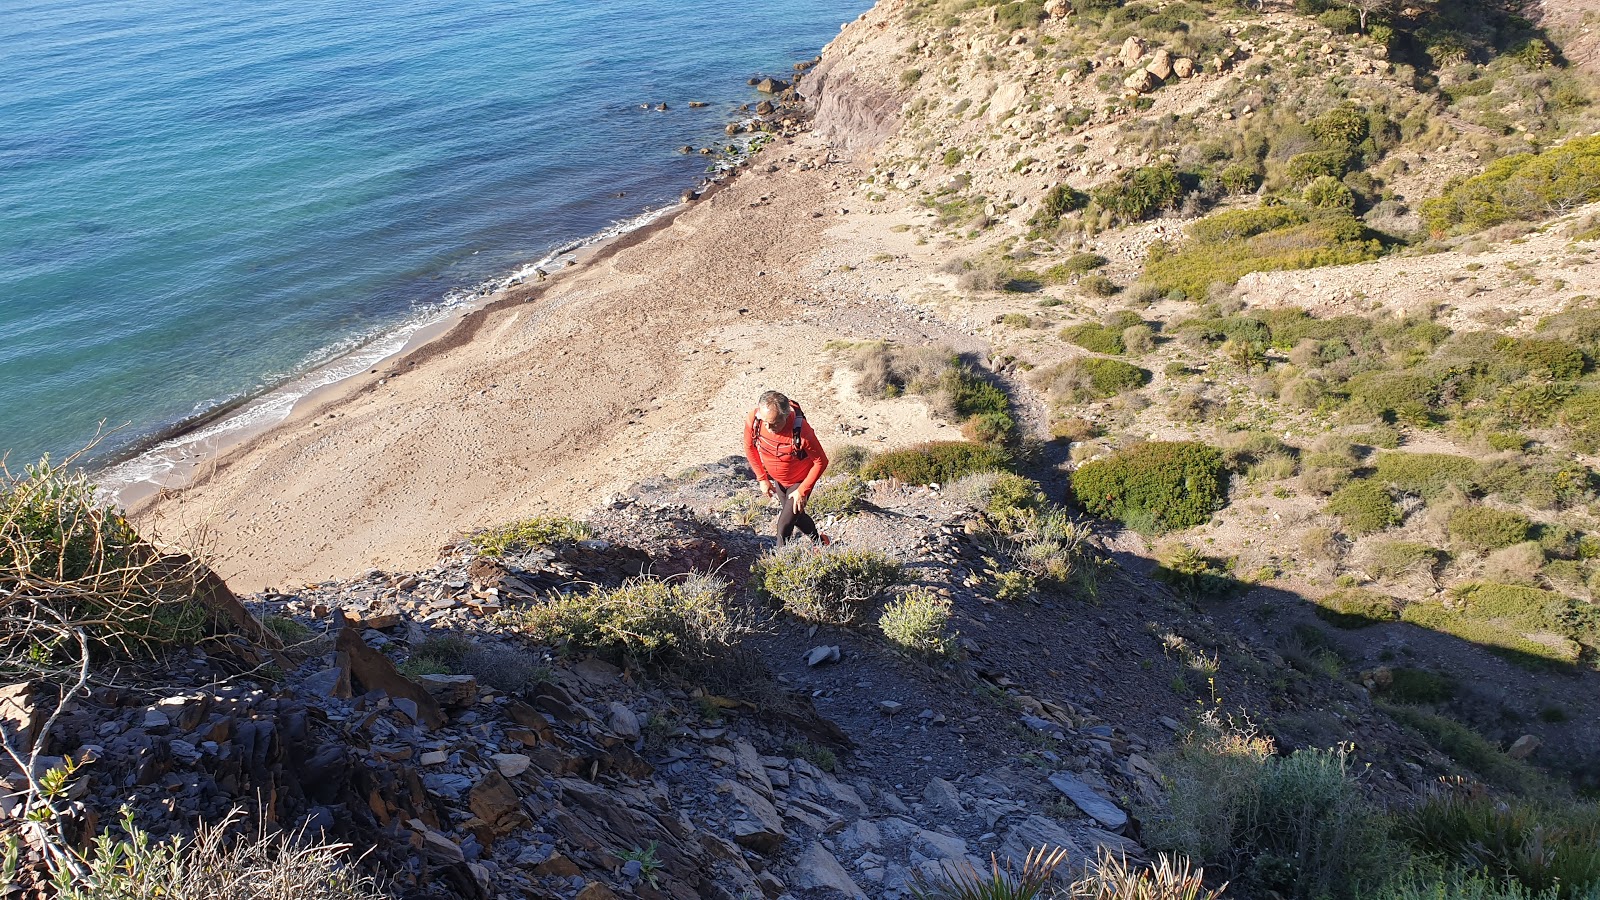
1407	396
1415	686
519	537
1090	378
917	622
1140	193
1297	825
1095	337
1098	285
834	587
1193	574
936	462
219	860
1485	528
890	370
1426	475
1390	559
1522	187
1531	627
1053	550
1541	847
650	624
1012	501
1076	264
1190	272
1363	507
1356	608
1057	202
849	458
837	496
1155	487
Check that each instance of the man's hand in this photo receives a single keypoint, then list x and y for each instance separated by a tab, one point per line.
766	488
799	502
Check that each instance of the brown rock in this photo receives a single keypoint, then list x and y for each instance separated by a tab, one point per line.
375	672
1524	747
1141	82
495	801
771	86
1057	9
1132	50
1183	67
594	890
558	866
1161	64
452	691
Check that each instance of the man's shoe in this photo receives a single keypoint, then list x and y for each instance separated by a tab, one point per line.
823	540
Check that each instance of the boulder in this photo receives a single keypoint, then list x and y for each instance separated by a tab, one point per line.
1524	747
1057	9
453	691
496	802
1006	100
1183	67
771	86
1161	64
1141	82
375	672
944	795
761	828
622	722
1132	50
1087	799
817	869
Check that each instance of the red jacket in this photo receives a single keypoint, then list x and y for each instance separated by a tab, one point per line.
772	454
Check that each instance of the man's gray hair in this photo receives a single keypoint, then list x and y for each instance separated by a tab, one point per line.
773	401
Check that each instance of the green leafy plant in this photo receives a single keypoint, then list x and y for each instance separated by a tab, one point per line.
1155	487
1363	507
936	462
917	622
838	496
1484	528
647	623
525	534
1521	187
834	586
645	856
1356	608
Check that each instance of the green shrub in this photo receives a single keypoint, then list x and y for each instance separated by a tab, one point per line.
650	624
849	458
1342	126
1389	559
1340	21
1523	187
1466	747
1419	686
1059	201
1579	417
69	562
1076	264
1327	192
1092	378
936	462
1193	574
1014	586
918	623
1308	167
1012	501
1404	395
835	586
1098	285
1297	825
1238	224
1485	528
1529	626
220	859
1426	475
1542	847
837	496
1328	241
524	535
1051	549
1140	193
1094	337
1356	608
1155	487
1363	507
288	630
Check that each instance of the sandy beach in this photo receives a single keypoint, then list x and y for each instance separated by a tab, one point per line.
642	360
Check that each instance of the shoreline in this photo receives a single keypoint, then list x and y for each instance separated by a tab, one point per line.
176	457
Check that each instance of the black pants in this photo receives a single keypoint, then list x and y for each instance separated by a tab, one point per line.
788	519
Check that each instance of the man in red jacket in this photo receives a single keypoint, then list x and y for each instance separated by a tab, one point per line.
788	459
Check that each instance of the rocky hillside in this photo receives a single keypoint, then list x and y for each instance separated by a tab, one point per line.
1272	542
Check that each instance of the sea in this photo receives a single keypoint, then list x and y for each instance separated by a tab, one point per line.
208	209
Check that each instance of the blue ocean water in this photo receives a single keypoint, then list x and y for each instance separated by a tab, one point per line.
199	200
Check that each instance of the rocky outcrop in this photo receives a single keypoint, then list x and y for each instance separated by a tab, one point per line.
852	111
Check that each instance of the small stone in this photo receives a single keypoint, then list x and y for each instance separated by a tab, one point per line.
622	722
434	758
889	707
821	655
511	764
1087	799
154	719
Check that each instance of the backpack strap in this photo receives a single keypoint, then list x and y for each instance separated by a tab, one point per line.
799	426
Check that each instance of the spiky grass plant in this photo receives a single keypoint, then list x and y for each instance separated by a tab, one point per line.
1035	880
1114	878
